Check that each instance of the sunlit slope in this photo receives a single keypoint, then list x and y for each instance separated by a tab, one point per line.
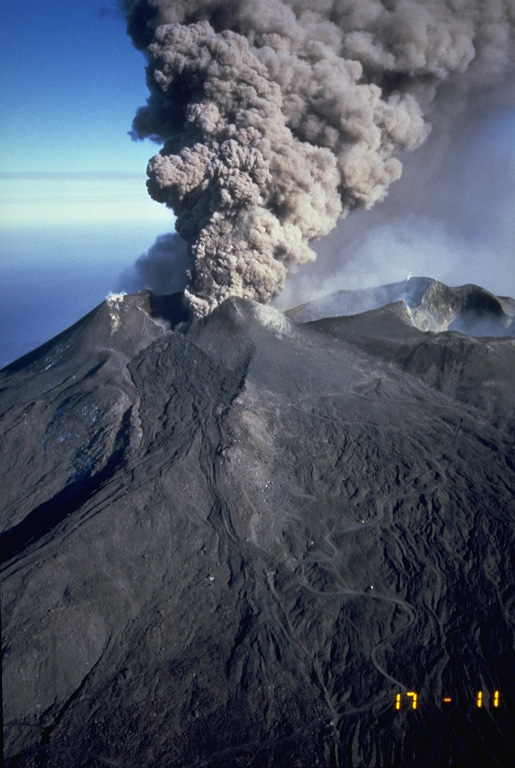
432	306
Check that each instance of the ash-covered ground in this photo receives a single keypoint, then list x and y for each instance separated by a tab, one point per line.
240	543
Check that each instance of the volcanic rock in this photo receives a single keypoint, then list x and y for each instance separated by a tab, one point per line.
432	306
242	541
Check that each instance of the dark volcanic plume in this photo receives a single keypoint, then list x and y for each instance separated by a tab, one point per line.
277	118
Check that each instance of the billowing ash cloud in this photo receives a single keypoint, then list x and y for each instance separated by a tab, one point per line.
279	116
163	268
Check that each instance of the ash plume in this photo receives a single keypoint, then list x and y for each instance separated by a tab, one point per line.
163	268
279	117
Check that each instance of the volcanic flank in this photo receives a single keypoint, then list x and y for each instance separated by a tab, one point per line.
242	541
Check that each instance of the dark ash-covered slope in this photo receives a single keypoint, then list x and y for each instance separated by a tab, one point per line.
235	546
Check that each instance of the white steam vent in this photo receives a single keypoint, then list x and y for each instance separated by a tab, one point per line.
114	301
274	320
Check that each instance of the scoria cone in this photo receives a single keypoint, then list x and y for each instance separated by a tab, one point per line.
237	545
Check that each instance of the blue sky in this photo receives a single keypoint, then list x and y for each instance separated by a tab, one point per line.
74	211
70	83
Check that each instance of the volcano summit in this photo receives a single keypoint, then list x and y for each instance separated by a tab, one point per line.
255	541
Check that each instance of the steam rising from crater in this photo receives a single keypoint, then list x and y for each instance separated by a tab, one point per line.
277	117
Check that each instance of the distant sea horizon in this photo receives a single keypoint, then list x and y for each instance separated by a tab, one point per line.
52	276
